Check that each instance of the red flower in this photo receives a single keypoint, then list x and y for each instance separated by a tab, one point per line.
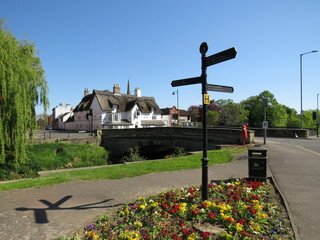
187	232
172	211
252	210
182	223
230	220
195	212
165	206
164	213
242	221
245	233
205	235
211	215
175	236
184	231
255	197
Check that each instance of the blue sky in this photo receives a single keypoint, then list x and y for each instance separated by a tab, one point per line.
95	44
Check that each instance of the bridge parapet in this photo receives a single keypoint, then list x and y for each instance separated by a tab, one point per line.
119	140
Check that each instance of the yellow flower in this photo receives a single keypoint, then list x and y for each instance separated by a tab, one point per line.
208	204
126	211
182	208
138	224
194	206
257	207
255	226
155	204
126	235
191	237
92	235
183	204
142	206
227	235
242	206
140	199
262	215
239	227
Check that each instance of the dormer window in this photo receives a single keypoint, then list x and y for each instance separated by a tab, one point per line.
115	108
152	109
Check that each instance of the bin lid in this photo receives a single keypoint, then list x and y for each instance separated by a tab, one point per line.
258	149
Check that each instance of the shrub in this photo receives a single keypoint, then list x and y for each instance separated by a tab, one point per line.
132	155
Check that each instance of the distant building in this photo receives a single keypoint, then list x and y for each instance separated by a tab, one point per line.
60	114
173	116
105	109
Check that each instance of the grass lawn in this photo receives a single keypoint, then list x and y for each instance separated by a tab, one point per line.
125	170
51	156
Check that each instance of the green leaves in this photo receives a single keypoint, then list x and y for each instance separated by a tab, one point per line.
22	86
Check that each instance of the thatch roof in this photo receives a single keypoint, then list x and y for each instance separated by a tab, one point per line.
125	102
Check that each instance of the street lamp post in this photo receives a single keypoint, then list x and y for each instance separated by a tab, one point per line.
301	111
318	115
177	93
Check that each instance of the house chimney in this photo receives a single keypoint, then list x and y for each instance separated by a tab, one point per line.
116	89
86	92
137	92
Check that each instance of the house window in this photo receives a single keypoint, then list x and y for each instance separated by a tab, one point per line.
154	117
114	117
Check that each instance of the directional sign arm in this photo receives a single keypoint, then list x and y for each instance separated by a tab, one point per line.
186	81
219	88
221	56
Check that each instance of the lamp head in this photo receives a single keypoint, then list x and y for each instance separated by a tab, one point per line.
315	51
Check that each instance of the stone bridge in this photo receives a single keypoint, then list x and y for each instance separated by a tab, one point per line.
117	141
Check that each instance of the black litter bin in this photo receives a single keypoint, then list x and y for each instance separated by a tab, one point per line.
257	161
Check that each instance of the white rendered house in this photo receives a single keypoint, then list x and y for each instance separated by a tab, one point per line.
60	115
105	109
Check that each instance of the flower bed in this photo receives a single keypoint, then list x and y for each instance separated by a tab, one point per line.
238	209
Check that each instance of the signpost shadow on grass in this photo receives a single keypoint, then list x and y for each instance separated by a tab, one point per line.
40	214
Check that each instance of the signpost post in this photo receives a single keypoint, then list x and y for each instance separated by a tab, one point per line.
206	62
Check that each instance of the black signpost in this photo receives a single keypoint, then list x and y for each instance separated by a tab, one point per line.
206	62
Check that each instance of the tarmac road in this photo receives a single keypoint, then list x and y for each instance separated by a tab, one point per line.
297	171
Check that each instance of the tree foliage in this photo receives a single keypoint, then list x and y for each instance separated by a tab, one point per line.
42	121
307	119
231	114
196	113
212	118
276	113
22	86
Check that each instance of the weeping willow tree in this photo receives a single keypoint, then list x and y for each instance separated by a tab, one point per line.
22	87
